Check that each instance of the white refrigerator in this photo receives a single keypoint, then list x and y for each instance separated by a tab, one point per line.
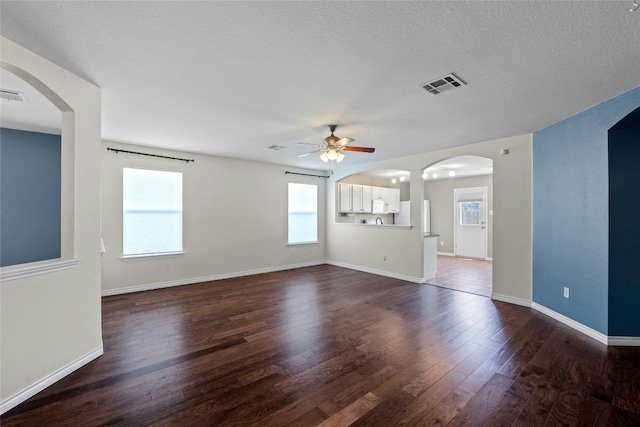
427	217
403	217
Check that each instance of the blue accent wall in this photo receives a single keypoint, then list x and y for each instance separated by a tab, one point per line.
29	196
571	212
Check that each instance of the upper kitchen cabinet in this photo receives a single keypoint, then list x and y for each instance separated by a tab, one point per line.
344	198
391	198
354	198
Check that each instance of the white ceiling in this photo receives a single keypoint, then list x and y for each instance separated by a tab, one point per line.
232	78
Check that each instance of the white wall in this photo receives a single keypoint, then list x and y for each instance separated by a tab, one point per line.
235	220
362	247
440	192
51	323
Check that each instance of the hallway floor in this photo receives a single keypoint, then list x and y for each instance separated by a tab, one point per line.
463	274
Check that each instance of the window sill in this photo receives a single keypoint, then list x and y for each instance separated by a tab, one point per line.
304	243
20	271
151	256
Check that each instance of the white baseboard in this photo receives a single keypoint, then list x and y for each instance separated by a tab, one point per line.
623	341
45	382
511	300
446	253
192	280
378	272
598	336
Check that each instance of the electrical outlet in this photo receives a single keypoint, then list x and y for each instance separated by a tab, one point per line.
384	257
566	292
441	242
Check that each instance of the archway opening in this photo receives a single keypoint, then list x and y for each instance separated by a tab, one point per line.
458	217
33	178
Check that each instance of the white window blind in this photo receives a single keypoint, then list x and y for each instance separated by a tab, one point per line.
152	212
303	213
470	213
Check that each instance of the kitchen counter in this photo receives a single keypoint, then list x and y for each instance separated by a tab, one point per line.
351	224
430	235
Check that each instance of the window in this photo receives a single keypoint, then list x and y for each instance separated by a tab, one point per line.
152	212
303	213
470	213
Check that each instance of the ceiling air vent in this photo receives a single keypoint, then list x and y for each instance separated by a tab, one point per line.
276	147
443	84
11	95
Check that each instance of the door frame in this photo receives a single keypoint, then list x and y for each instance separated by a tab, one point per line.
485	197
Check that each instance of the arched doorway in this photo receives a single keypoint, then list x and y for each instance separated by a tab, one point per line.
33	215
458	195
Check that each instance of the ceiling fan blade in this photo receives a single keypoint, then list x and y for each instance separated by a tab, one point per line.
310	152
308	143
359	149
345	141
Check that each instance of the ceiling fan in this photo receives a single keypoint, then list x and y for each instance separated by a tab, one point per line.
332	147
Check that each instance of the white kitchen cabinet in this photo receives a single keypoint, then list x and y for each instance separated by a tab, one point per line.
344	198
354	198
391	198
376	193
367	197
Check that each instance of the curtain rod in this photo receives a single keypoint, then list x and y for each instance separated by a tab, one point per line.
117	150
305	174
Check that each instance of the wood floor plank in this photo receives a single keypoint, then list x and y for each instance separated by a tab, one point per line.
477	410
326	345
351	413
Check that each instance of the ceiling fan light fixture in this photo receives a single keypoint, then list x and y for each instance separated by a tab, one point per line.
332	147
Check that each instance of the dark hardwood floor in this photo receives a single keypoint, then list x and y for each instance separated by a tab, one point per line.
336	347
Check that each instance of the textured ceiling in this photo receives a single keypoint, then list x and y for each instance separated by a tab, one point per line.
232	78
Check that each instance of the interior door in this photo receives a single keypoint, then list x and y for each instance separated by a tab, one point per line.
470	222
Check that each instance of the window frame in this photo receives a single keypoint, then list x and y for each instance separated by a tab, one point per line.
289	212
159	254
